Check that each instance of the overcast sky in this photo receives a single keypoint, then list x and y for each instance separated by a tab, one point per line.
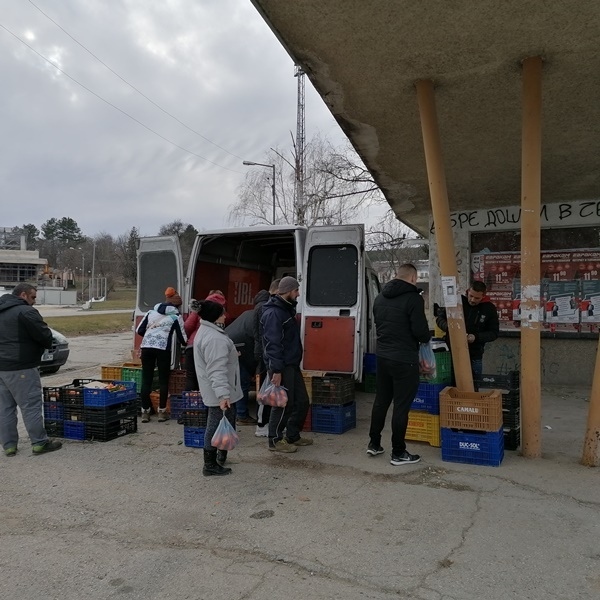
212	64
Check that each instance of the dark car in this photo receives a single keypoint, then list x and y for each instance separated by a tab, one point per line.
56	357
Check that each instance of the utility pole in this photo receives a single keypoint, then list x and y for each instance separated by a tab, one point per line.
300	141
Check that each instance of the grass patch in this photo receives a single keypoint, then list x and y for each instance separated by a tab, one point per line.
91	324
121	298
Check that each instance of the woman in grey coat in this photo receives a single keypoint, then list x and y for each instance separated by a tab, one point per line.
218	372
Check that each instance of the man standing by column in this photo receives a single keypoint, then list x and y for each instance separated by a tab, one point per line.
481	323
401	325
282	355
23	338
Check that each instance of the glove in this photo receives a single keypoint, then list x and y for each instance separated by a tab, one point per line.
194	305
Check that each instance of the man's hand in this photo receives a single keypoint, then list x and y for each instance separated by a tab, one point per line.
470	338
276	379
224	403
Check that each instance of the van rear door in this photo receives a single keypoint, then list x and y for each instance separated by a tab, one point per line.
159	266
333	295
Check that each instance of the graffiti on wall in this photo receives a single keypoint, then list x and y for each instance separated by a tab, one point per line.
564	214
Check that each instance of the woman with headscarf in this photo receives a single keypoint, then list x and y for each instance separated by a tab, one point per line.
217	369
157	328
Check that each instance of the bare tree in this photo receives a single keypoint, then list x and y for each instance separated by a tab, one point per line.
337	188
391	243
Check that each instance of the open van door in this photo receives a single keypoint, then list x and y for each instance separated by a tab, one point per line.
333	297
159	266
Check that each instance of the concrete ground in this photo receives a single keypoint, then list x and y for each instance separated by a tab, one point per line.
134	518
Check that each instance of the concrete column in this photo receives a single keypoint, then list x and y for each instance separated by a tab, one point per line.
531	161
591	445
443	232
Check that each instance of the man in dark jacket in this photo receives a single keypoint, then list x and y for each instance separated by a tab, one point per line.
401	325
282	356
263	412
241	331
481	323
23	338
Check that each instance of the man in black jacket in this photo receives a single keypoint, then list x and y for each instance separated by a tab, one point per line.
401	325
23	338
481	323
282	355
263	412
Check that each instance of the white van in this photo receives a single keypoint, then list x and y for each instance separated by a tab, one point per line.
337	283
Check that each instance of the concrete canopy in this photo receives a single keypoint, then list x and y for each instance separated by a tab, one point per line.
363	57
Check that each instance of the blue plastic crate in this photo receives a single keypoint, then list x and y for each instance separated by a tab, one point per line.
192	400
193	437
475	448
333	418
428	398
177	406
74	430
54	411
104	397
370	363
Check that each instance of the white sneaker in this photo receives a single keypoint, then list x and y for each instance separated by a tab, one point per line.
262	431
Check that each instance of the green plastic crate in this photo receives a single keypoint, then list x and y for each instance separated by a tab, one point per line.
369	383
443	368
135	374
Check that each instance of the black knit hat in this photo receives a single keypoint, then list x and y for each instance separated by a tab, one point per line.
210	311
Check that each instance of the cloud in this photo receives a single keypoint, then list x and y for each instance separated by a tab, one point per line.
65	152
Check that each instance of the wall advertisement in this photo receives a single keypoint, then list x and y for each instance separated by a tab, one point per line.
570	288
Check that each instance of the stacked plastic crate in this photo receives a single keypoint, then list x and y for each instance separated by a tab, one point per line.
369	373
333	404
472	430
509	384
424	416
77	412
189	410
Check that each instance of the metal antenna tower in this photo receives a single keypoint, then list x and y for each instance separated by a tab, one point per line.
300	141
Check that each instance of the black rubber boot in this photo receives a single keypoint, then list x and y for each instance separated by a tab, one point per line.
221	457
211	467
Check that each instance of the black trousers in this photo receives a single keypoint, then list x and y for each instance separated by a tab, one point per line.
397	382
291	417
191	379
151	358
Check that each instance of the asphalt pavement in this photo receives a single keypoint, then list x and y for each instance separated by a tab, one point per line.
134	517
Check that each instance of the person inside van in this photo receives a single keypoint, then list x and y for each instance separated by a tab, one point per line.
157	329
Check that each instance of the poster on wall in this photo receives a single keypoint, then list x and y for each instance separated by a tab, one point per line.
586	264
589	305
558	266
500	269
561	301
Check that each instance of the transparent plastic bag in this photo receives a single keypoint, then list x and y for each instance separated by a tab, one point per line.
225	437
271	394
427	360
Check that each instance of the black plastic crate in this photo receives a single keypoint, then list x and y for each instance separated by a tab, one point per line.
194	418
73	412
52	394
495	381
511	400
54	428
104	432
511	419
512	438
332	390
108	414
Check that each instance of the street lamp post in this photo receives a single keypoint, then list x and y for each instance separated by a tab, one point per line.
255	164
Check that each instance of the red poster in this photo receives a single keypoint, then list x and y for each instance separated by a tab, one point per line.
501	268
586	264
503	300
558	266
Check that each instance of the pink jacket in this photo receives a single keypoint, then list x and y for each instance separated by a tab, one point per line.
191	327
